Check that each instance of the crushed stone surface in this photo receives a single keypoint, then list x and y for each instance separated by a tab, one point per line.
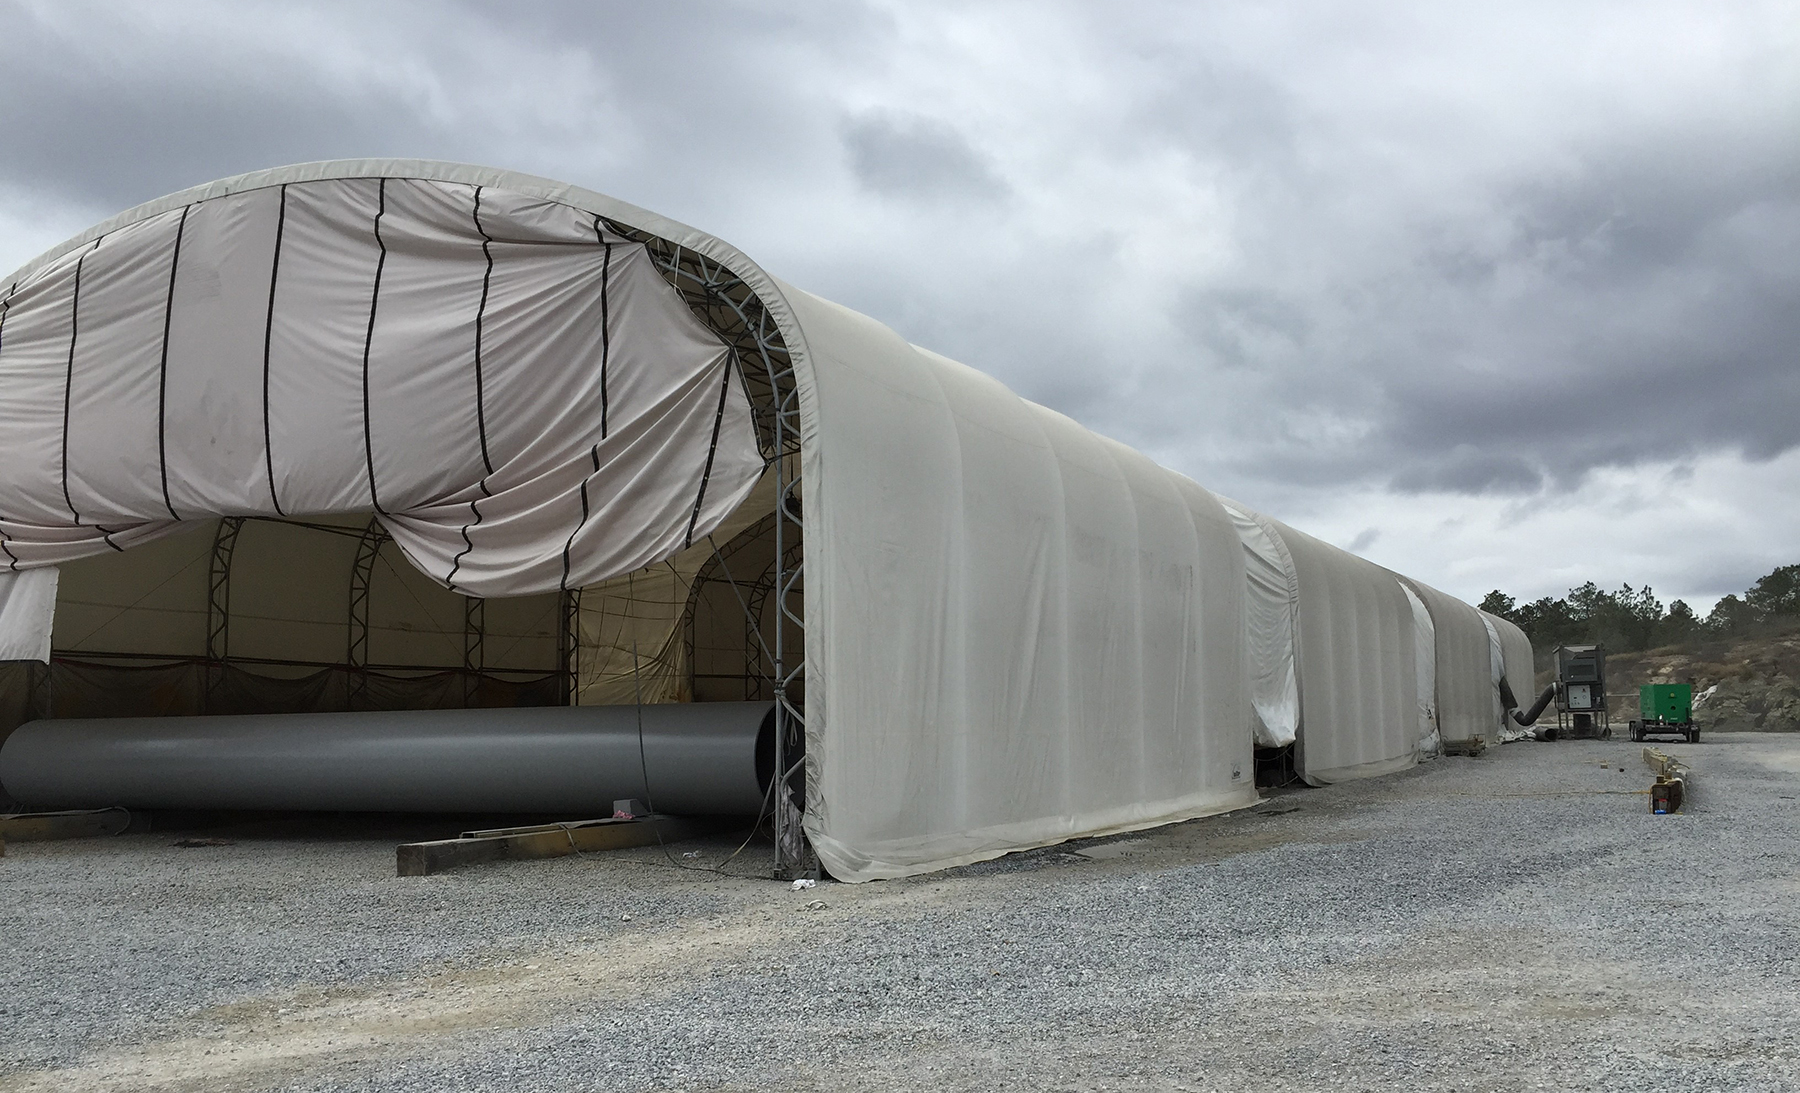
1514	921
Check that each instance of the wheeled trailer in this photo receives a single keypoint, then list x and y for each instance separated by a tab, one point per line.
1666	709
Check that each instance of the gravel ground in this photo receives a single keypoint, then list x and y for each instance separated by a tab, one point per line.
1517	920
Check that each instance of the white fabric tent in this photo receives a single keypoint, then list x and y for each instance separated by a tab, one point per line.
1468	698
1271	610
1517	662
1425	678
1015	631
1357	669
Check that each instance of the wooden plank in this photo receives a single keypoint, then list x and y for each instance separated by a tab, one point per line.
546	841
27	827
1670	788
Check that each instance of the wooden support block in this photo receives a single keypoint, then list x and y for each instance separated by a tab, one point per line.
1473	746
545	841
25	827
1670	788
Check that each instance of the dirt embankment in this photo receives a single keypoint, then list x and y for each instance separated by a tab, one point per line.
1756	680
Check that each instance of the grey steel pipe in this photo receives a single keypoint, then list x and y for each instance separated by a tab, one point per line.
703	758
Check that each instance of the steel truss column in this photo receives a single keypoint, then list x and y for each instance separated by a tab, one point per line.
568	646
474	641
218	609
731	308
362	575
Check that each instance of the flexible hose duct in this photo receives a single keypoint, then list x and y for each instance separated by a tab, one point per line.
1529	717
707	758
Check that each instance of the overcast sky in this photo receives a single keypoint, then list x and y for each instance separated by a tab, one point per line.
1500	296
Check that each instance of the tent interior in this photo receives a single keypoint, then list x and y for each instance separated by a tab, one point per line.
258	615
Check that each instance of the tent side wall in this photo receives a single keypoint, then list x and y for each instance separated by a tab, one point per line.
1358	680
1468	704
1516	653
1018	632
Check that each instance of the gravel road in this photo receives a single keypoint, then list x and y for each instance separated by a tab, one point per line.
1514	921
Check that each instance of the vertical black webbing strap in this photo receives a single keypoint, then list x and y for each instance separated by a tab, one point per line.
268	344
487	462
605	355
162	368
12	560
568	547
368	343
69	376
711	450
605	319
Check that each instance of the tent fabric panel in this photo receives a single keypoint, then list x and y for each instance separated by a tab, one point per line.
1468	702
1425	667
217	314
333	331
1358	681
1518	659
1011	612
1270	606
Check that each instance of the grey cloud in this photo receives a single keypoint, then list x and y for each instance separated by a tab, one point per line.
919	158
91	128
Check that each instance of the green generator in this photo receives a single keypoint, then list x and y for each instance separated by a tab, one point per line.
1666	709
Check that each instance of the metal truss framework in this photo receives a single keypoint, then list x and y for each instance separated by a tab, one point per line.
362	575
474	645
218	605
728	306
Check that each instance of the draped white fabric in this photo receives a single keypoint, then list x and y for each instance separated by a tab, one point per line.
516	390
1269	609
1425	672
1516	664
1359	691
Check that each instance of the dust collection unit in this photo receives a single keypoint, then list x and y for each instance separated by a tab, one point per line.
403	485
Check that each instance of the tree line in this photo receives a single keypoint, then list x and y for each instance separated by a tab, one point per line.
1633	619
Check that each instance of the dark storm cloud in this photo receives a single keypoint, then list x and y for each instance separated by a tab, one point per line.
1301	249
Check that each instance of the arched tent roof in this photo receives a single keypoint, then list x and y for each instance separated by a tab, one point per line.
485	359
1015	631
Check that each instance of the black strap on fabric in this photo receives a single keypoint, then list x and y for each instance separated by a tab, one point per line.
162	368
487	281
268	344
5	309
12	560
568	547
605	318
606	249
487	462
468	544
711	450
368	343
69	376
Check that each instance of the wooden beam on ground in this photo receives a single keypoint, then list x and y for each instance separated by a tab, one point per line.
1670	788
547	841
26	827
